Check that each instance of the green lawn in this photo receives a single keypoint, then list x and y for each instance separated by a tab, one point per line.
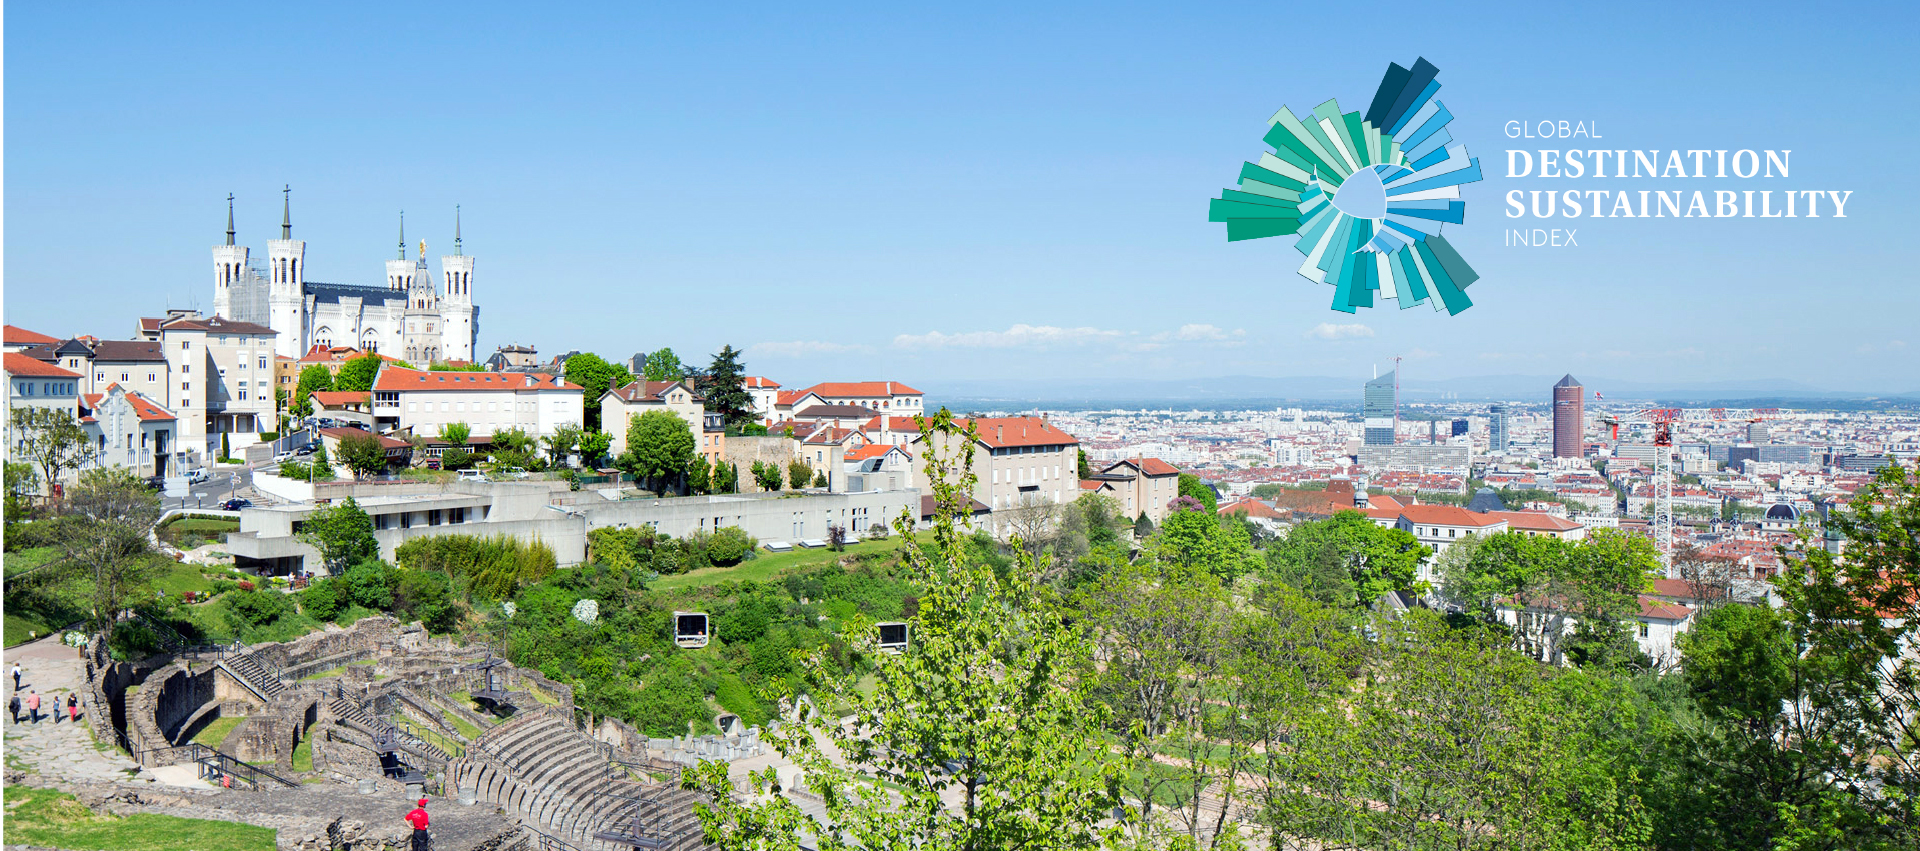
176	578
55	819
23	628
770	565
303	754
461	724
331	671
21	561
214	734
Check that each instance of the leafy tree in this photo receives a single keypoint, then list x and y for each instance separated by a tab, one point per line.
799	475
515	440
700	476
343	534
1143	526
109	513
456	433
455	458
357	374
363	454
820	479
322	600
729	546
1086	468
726	478
1011	758
724	388
664	365
1195	538
767	476
313	379
594	446
565	438
19	496
1190	485
660	448
1375	559
596	376
51	439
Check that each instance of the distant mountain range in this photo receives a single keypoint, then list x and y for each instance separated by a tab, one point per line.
1259	391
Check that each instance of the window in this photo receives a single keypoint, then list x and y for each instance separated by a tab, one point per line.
186	368
263	361
243	394
101	376
150	378
241	365
186	385
1645	629
183	345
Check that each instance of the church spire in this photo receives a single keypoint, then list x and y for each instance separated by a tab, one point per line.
456	230
286	212
229	218
403	234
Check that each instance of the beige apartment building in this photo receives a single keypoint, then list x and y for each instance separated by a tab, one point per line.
1142	486
1017	461
221	380
621	404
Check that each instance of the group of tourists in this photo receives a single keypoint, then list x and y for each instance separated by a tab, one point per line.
32	702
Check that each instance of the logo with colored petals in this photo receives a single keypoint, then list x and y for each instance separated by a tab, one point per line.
1366	195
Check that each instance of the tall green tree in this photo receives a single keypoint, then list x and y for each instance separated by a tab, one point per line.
664	365
363	454
977	738
1196	538
594	446
700	476
1373	560
596	376
343	533
313	379
51	439
1086	469
660	449
799	475
724	387
357	375
564	440
110	513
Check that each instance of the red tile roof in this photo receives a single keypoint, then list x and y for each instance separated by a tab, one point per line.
393	378
648	391
872	450
1252	507
385	441
216	325
827	435
786	398
1000	432
1653	608
1448	515
336	398
144	408
1538	521
845	389
1149	466
19	364
17	336
755	382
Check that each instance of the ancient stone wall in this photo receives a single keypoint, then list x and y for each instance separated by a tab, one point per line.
170	697
743	451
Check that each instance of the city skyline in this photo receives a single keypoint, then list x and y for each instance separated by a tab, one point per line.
1010	194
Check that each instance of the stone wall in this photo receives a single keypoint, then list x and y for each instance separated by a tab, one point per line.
170	697
742	451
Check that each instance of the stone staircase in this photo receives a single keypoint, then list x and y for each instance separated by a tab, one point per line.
538	765
384	733
248	669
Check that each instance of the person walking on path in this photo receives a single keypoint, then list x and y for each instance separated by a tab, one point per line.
16	676
73	707
14	706
33	706
418	818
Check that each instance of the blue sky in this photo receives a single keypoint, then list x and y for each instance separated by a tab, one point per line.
970	192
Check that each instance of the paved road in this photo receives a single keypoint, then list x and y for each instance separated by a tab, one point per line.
62	749
214	491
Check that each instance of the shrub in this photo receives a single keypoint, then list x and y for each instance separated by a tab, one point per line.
729	546
878	531
132	640
245	610
491	568
246	585
322	600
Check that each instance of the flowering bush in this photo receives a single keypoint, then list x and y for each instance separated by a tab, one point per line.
74	638
1185	503
586	611
246	585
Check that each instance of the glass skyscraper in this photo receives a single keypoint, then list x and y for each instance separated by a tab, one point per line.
1381	410
1498	433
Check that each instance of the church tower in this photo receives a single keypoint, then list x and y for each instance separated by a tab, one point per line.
286	285
460	332
229	263
420	324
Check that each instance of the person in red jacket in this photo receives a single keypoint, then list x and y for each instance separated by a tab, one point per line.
418	818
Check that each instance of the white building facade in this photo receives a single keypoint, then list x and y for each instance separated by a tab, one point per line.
414	315
487	402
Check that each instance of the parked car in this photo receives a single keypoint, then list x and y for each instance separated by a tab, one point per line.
472	476
236	504
284	457
198	476
304	450
433	463
156	482
327	422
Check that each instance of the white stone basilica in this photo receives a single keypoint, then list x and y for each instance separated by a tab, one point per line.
410	318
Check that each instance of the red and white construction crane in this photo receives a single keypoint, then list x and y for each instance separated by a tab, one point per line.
1663	421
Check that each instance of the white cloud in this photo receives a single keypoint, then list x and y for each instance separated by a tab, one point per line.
1201	333
1890	346
1017	337
1330	331
803	348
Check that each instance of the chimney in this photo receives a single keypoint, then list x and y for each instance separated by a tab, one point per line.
1000	434
1360	493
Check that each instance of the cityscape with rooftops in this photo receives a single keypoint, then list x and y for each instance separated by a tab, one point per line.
873	442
